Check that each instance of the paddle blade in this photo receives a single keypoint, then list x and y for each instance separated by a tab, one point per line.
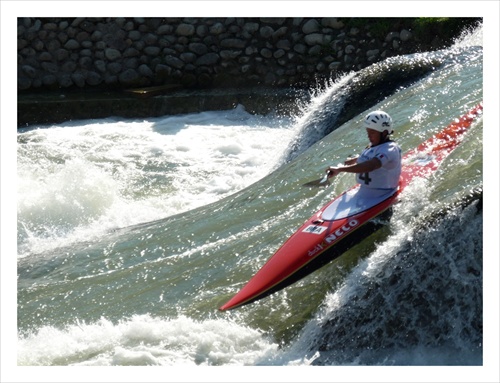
319	182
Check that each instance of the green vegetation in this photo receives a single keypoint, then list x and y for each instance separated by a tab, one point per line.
446	28
424	29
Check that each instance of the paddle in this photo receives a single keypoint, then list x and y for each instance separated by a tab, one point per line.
324	180
319	182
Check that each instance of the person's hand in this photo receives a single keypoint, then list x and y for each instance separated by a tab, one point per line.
332	171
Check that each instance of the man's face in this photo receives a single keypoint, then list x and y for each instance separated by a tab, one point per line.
374	136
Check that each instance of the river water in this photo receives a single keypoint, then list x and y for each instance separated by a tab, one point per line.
131	234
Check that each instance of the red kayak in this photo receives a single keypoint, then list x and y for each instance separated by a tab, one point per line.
329	233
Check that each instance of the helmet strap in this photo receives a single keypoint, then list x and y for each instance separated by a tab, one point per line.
384	137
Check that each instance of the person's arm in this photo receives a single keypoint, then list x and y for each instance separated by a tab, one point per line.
363	167
351	160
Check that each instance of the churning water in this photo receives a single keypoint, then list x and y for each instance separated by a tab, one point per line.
131	234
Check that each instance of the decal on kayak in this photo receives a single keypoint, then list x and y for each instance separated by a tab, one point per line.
341	231
314	229
422	159
332	237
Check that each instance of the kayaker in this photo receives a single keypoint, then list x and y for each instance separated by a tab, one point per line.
378	167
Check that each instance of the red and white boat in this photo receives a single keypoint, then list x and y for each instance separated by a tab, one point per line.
330	232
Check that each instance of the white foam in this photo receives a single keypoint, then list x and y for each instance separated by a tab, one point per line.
146	340
82	178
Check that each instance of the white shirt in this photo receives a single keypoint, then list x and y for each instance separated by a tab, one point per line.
387	176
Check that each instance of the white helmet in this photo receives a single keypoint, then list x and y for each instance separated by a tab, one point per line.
379	121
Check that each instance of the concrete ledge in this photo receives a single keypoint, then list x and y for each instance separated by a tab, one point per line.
56	107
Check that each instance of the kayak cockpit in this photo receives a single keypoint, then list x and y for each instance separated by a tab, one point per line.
355	201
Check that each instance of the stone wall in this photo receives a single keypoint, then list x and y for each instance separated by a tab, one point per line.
121	53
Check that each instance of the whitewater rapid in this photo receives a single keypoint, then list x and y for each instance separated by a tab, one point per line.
132	232
79	179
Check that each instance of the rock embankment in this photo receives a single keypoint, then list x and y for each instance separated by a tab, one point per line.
120	53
